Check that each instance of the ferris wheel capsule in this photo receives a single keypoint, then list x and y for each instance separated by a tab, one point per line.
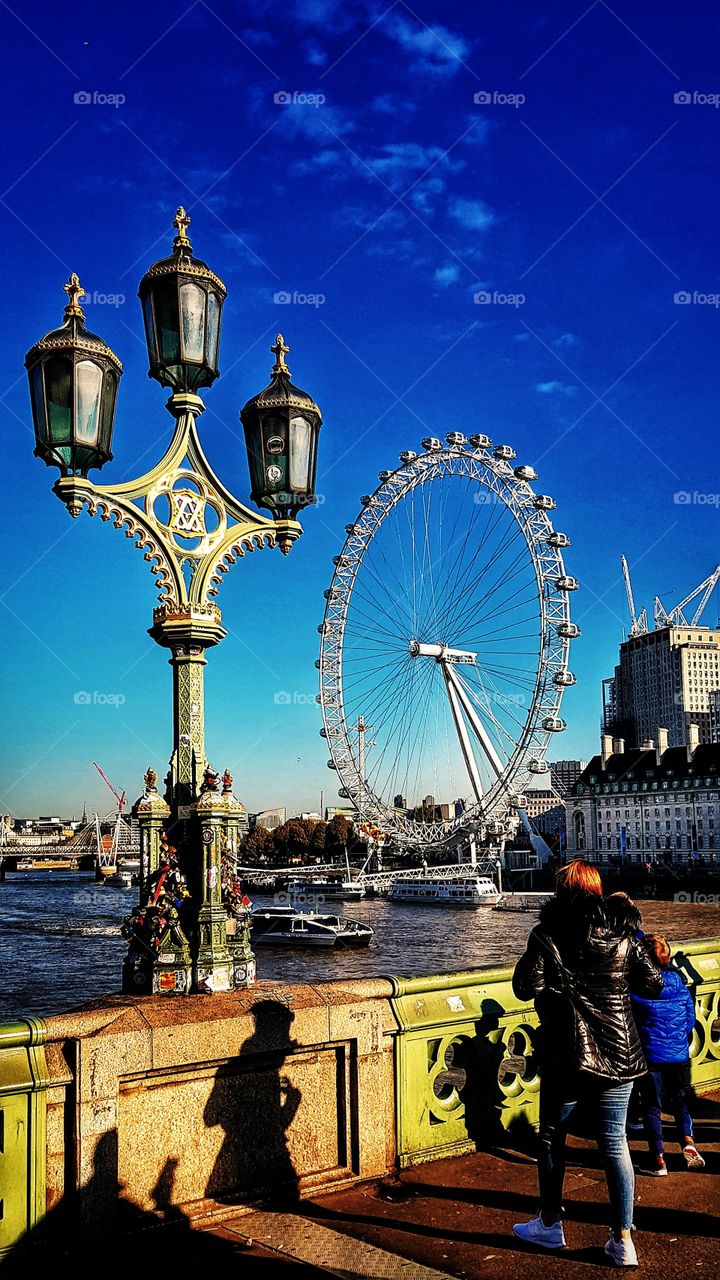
480	441
349	528
317	664
526	473
538	766
408	456
566	583
554	724
384	475
564	678
568	630
543	502
331	764
517	801
557	540
431	443
504	453
455	438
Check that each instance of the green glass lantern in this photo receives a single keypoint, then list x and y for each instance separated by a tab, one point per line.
74	378
282	425
182	302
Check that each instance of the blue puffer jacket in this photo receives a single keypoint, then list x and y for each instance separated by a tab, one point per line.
664	1024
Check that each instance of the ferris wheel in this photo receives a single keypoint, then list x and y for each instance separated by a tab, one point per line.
445	643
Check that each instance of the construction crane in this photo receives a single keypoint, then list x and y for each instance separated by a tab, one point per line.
638	622
120	798
676	617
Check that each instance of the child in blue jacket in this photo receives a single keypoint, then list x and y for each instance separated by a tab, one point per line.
665	1026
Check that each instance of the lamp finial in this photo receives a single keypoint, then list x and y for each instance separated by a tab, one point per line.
181	222
74	291
279	350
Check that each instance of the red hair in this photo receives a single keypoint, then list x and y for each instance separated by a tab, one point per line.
578	877
658	948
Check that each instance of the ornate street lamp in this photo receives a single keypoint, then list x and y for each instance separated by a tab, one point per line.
282	425
73	388
190	529
182	303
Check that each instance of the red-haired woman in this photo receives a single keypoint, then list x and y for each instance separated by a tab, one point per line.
581	962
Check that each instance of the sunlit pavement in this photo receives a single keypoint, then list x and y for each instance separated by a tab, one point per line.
456	1215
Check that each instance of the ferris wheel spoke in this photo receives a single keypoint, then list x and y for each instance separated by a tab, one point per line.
508	536
473	606
455	595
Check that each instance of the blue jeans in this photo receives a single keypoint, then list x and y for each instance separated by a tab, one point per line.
669	1081
609	1106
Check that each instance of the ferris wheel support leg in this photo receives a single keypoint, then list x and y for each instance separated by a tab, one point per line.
462	733
476	723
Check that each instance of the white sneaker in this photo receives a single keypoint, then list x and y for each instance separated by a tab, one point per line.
622	1251
535	1232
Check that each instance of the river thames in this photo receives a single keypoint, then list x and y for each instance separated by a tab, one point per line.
60	944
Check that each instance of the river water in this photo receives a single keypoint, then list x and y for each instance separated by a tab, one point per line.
60	942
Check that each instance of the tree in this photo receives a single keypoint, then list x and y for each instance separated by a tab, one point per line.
337	832
258	843
318	837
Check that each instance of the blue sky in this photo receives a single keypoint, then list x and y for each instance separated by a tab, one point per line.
576	181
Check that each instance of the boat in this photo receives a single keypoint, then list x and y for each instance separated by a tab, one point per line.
286	927
328	890
461	891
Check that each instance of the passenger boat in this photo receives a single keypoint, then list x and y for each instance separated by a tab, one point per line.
329	890
286	927
461	891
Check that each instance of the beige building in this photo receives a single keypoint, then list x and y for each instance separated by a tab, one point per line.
665	677
657	803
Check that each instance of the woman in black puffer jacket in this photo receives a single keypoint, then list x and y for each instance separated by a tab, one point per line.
581	963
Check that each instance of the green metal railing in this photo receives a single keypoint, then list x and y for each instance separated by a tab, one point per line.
464	1064
23	1085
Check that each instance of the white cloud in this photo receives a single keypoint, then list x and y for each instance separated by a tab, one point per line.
472	214
554	388
566	340
434	49
316	56
447	274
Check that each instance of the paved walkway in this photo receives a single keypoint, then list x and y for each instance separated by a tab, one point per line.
454	1218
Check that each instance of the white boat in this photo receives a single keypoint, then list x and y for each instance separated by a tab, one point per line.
461	891
328	890
285	927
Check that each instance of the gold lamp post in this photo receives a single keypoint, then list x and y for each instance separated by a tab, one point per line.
191	529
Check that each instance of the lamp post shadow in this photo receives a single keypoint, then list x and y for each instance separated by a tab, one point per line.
255	1104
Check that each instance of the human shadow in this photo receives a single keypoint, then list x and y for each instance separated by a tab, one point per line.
98	1225
255	1104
